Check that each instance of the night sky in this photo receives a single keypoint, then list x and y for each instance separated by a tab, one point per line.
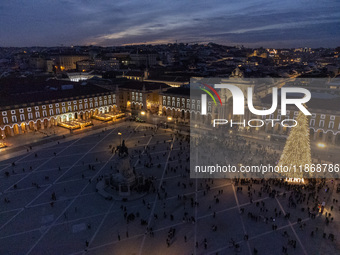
285	23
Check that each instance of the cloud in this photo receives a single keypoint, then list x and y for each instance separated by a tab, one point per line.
47	23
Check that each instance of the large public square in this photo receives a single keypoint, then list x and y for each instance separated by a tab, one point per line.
50	203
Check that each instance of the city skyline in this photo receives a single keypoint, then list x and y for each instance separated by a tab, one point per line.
251	23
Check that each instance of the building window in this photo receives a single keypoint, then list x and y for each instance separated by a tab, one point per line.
198	107
21	110
30	116
68	103
64	110
193	106
12	111
178	104
91	105
86	106
173	103
100	103
323	116
37	114
96	104
331	125
57	111
69	108
75	108
74	102
332	117
5	119
50	106
44	106
105	102
322	123
51	112
312	122
29	109
4	113
14	118
80	107
164	102
44	114
63	104
56	105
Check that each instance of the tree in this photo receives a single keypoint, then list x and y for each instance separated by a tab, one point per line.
297	150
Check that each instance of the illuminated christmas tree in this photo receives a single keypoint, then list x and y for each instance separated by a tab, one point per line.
297	150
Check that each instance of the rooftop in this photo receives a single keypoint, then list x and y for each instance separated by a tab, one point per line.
23	90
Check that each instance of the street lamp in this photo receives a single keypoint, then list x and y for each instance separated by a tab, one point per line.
321	145
143	113
169	118
120	134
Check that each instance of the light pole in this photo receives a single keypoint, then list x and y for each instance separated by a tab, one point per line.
120	134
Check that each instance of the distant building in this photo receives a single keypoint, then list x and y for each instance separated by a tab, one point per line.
69	62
